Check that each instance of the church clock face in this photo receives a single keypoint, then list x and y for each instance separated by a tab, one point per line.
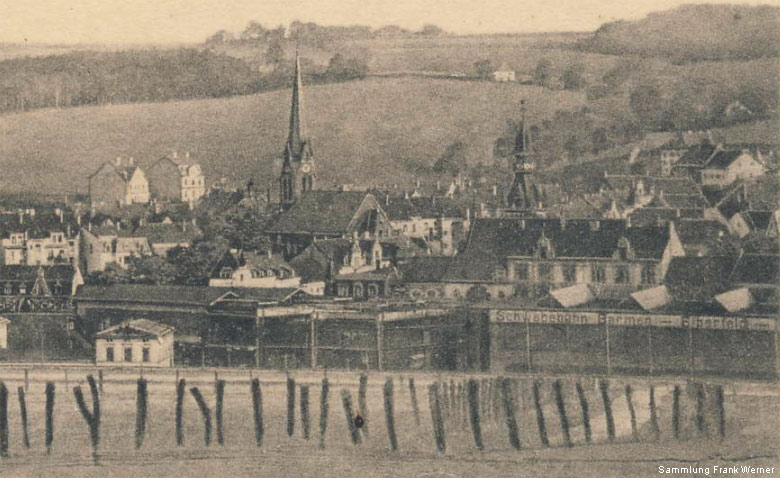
306	167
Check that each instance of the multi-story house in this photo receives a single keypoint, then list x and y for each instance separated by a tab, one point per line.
110	244
43	239
439	221
254	270
118	183
528	258
178	179
726	167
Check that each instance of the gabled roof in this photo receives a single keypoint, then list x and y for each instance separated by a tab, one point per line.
652	298
757	220
160	233
667	185
491	241
424	269
724	159
267	295
403	209
698	278
324	212
252	260
698	234
756	269
135	327
573	296
698	155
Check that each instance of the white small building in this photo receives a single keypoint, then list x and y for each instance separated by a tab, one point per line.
138	342
725	167
504	74
4	333
253	270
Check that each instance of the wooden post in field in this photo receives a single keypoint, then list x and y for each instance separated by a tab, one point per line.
140	413
720	406
561	405
220	392
23	416
389	414
676	412
474	416
180	387
585	412
413	398
257	409
438	425
304	401
653	415
540	415
631	412
50	388
508	401
324	392
604	387
346	400
3	420
205	412
290	406
363	402
91	417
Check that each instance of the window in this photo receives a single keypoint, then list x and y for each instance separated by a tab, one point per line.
357	290
343	290
145	354
545	272
373	290
570	273
225	273
521	271
598	274
128	354
109	354
621	275
648	274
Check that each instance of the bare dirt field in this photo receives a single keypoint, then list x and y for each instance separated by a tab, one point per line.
751	429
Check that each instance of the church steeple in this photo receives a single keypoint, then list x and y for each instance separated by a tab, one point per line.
297	132
298	165
520	198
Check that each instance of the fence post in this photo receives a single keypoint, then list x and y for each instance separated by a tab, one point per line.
509	412
389	414
324	410
561	405
218	412
3	420
180	387
701	424
304	399
604	386
205	412
438	426
257	409
92	418
140	413
653	414
720	405
363	402
290	406
631	412
540	414
50	388
23	416
346	400
585	412
474	417
413	398
676	412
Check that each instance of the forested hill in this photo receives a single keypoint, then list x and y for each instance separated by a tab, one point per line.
132	76
693	33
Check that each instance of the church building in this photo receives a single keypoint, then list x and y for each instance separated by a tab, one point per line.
308	214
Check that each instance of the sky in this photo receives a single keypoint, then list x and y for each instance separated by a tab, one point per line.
191	21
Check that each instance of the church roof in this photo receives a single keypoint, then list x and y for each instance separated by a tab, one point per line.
320	212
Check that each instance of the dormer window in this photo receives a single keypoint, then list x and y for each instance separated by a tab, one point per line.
623	249
226	273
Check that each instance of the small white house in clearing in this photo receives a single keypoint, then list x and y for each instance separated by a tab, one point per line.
504	73
138	342
4	333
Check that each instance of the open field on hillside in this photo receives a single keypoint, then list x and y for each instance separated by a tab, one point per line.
751	430
368	132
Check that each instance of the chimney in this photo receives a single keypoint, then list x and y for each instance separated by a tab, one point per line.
175	155
118	160
387	200
21	217
61	214
268	253
495	190
522	224
187	155
438	185
628	221
131	161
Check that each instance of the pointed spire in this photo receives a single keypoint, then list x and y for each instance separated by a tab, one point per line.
297	133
